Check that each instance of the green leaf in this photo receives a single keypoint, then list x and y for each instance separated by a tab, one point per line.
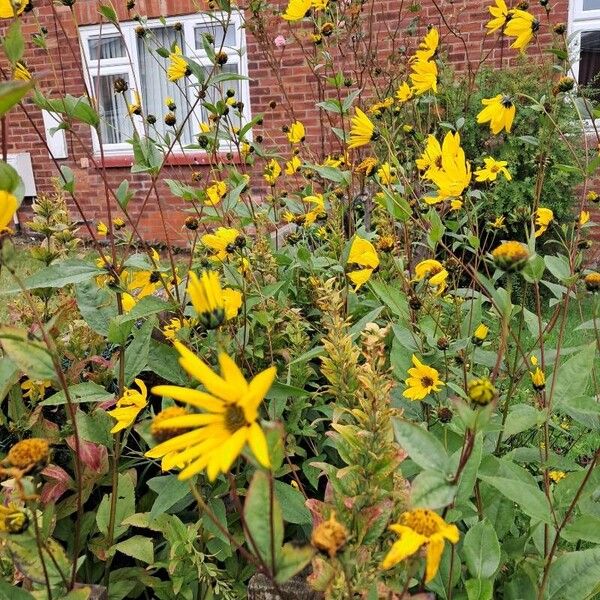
164	361
67	182
431	489
124	194
530	499
479	589
108	12
575	576
125	506
97	306
95	426
292	560
149	305
13	42
422	446
32	358
79	392
558	266
10	181
9	591
76	108
573	376
9	375
391	297
258	516
481	550
583	528
520	418
170	490
136	354
138	547
11	93
292	504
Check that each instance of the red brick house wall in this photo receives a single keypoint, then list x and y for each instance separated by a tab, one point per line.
461	24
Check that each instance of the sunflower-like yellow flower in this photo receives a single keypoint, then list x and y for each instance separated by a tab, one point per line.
481	391
29	453
499	15
522	26
329	536
379	107
296	10
228	421
293	165
431	160
404	93
12	8
491	169
387	174
102	228
422	380
223	242
178	67
499	111
8	208
13	519
584	217
35	389
455	173
424	77
173	326
421	528
367	166
433	271
362	261
480	333
20	72
207	298
296	133
557	476
232	300
498	223
592	281
272	171
428	46
510	256
215	193
362	130
129	406
135	106
543	218
538	379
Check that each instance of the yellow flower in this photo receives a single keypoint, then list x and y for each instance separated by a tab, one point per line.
538	379
592	281
362	131
296	10
498	223
12	519
499	111
29	453
320	4
8	207
424	77
102	228
428	47
293	165
118	223
534	361
522	26
431	159
417	528
434	272
296	133
499	16
511	255
378	108
129	406
178	67
362	261
173	326
456	204
480	333
207	298
159	432
491	169
272	172
222	243
387	174
592	196
169	101
584	217
422	380
12	8
228	422
367	166
135	107
404	93
455	172
543	218
481	391
20	72
232	301
215	193
556	476
329	536
35	389
204	127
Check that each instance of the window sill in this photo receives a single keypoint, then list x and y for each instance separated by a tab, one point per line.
117	161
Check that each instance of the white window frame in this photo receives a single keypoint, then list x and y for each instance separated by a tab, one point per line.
92	67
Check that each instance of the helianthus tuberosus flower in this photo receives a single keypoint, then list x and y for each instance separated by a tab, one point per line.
522	26
228	421
557	476
422	380
431	160
223	242
404	93
421	528
129	406
161	433
135	106
272	171
480	333
12	519
454	176
173	326
538	379
491	169
367	166
592	281
434	272
428	46
8	208
584	217
296	133
20	72
386	174
362	261
207	298
215	193
296	10
35	389
511	255
362	130
499	111
424	77
26	454
12	8
102	228
178	67
499	15
498	223
481	391
293	165
543	218
329	536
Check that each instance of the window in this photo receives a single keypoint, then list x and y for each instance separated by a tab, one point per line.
109	55
584	35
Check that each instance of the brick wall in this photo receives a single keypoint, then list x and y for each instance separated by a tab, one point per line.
461	24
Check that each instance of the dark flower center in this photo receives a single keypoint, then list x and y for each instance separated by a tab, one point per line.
234	418
426	381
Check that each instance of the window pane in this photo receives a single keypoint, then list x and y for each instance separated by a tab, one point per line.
115	123
156	87
221	37
591	4
111	46
589	60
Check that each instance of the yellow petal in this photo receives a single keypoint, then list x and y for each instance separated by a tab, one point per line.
258	444
232	448
435	548
410	541
194	397
232	374
257	390
177	443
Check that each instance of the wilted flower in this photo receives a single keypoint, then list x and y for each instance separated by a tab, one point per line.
26	454
329	536
279	41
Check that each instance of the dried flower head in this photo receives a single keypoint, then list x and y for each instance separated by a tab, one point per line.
329	536
30	453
